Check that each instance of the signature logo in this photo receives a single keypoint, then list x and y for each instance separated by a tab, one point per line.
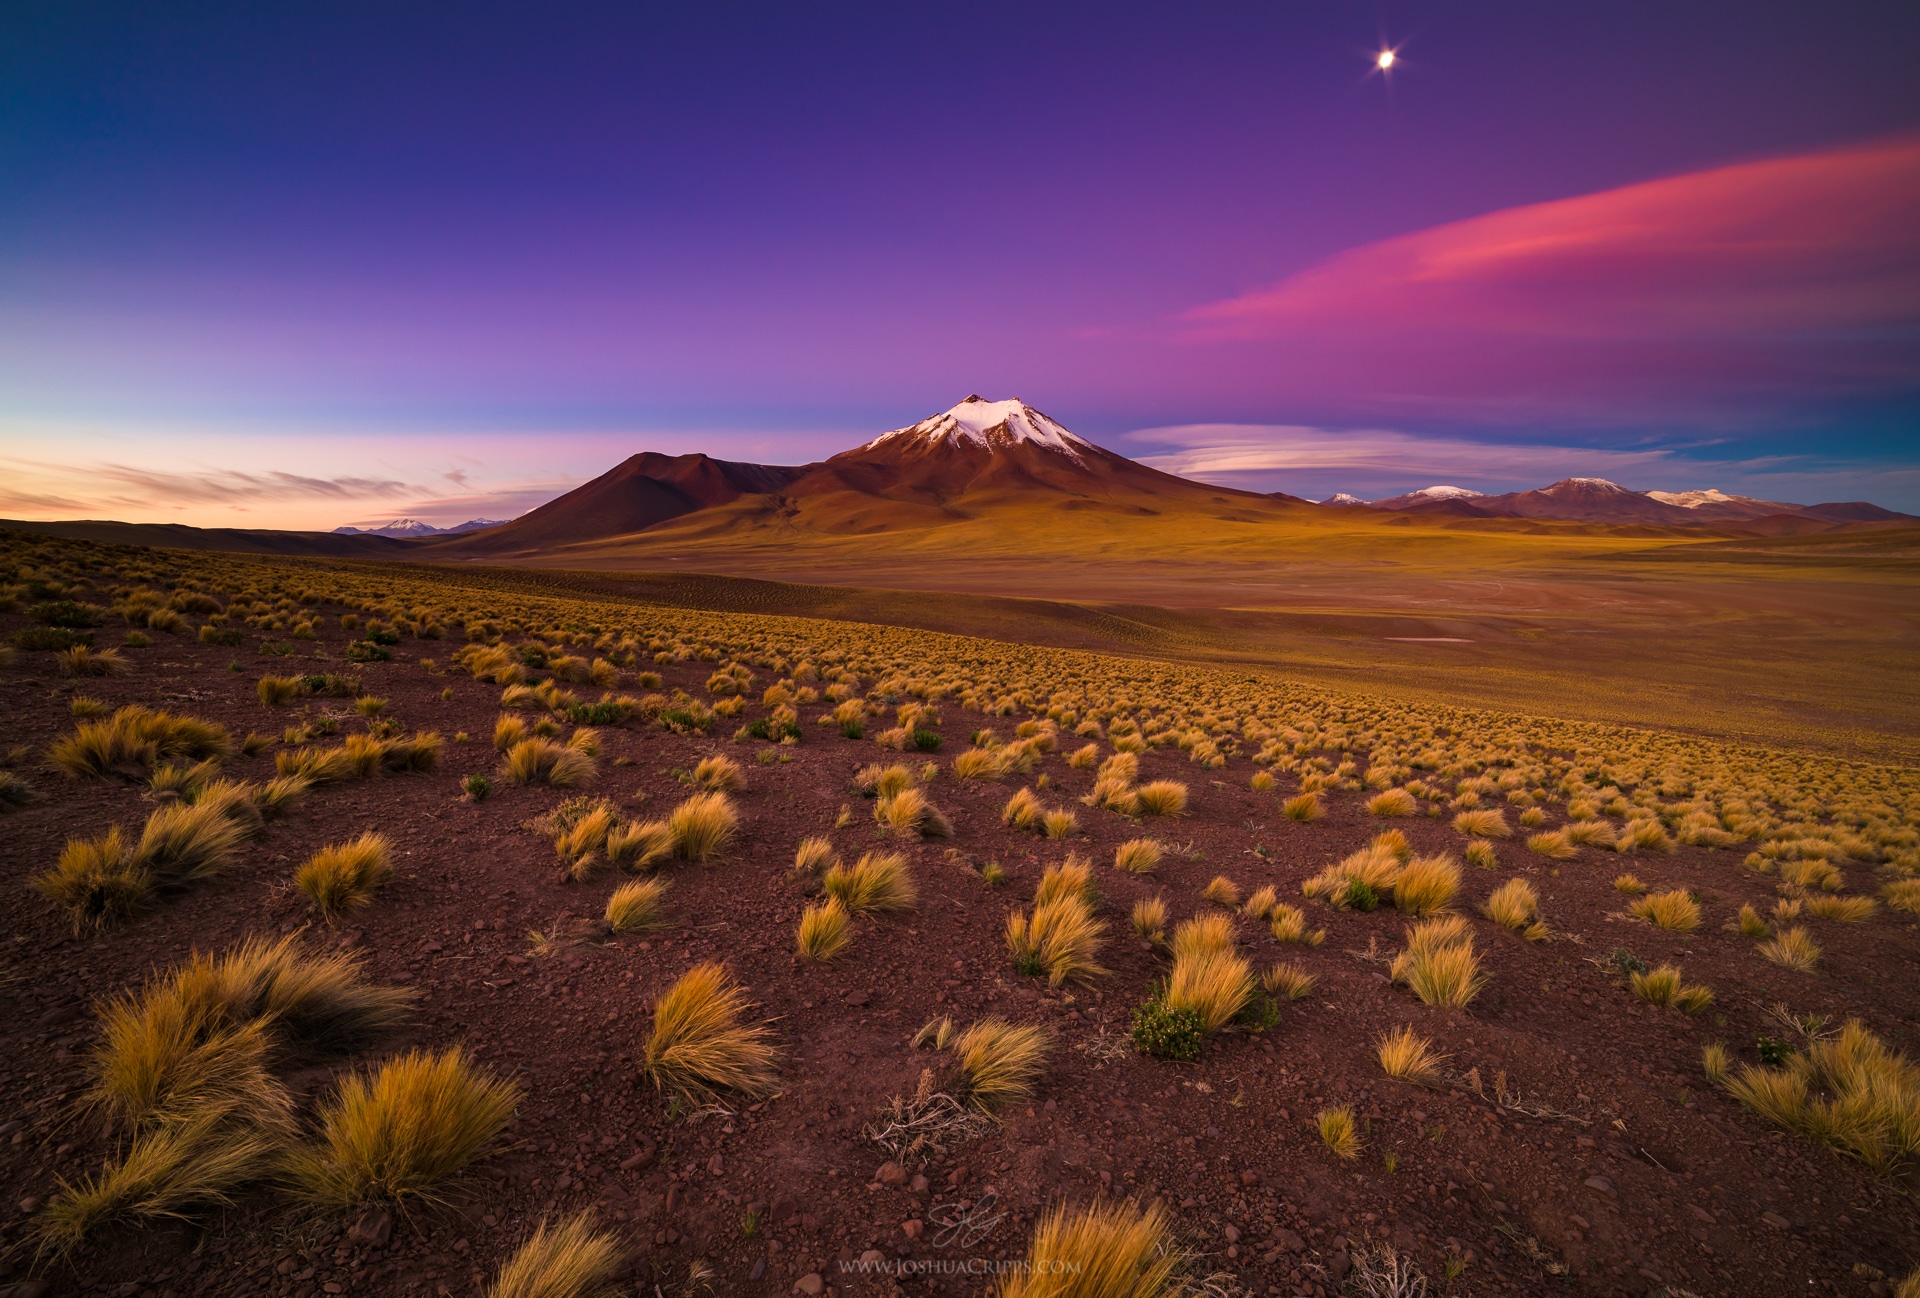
964	1227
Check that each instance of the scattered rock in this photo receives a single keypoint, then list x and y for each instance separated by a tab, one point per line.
374	1228
641	1158
1232	1233
810	1284
1249	1177
891	1174
1290	1241
913	1229
758	1270
430	946
26	1289
30	1205
714	1166
1701	1213
1338	1265
873	1257
1600	1183
9	1127
919	1184
1775	1220
859	998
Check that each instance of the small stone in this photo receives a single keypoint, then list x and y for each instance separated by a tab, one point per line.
810	1284
891	1174
30	1205
1585	1142
1249	1177
957	1177
1232	1233
783	1208
1213	1133
1600	1183
859	998
919	1184
1701	1213
430	946
913	1229
26	1289
1579	1221
1290	1241
1338	1265
714	1166
758	1270
1049	1107
638	1160
873	1257
1775	1220
374	1228
8	1128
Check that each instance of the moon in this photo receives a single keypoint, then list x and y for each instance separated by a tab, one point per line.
1385	60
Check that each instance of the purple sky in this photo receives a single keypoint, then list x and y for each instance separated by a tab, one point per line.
302	265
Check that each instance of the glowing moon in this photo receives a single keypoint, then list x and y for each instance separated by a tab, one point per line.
1385	60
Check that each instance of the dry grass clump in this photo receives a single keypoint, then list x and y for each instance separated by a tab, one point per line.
1001	1060
909	813
1674	910
399	1133
1222	891
813	855
1288	980
572	1260
1662	987
81	660
1209	977
1023	811
1289	924
1108	1249
508	730
1058	939
1644	835
1552	844
639	845
539	760
637	906
1842	910
1339	1131
1439	965
1629	884
1748	922
877	882
1426	885
1483	822
702	826
1073	878
1392	803
1590	833
1138	855
1792	948
1364	879
699	1046
1515	905
719	774
1903	894
1480	854
1117	796
134	739
1261	904
344	876
1161	798
277	690
1848	1091
1149	919
824	931
1304	807
1410	1057
1084	758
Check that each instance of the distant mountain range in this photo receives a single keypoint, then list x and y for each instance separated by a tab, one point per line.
402	527
1597	500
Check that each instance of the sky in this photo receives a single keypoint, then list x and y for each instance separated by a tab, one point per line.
304	265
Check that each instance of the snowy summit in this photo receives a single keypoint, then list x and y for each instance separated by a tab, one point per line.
989	424
1448	493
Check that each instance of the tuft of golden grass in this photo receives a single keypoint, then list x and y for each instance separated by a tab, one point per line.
1515	905
878	881
1116	796
638	906
1644	835
1715	1062
135	737
1792	948
699	1046
1214	983
1552	844
1059	939
1084	758
1480	855
1848	1091
813	856
1023	811
639	846
1749	923
1842	910
97	881
1059	823
574	1259
1426	885
1629	884
719	774
276	690
1439	964
1483	822
399	1133
80	660
1138	855
539	760
824	931
1202	934
1674	910
702	826
1338	1131
1288	980
1072	877
1161	798
1392	803
1149	919
1262	782
1222	891
344	876
508	731
1261	904
1304	807
1590	833
1001	1060
1903	894
909	813
1662	986
1289	924
1376	866
1409	1057
1108	1249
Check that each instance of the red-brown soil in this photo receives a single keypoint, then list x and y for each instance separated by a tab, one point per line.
1651	1178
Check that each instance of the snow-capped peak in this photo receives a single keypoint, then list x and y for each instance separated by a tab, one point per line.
1448	493
1343	498
990	424
398	527
1592	484
1695	499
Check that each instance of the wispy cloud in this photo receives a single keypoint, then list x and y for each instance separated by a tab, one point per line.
1736	296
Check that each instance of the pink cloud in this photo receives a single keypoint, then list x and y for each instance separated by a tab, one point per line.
1717	294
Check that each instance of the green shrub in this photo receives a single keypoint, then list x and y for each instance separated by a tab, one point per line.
53	638
926	741
67	613
477	787
1361	896
1259	1013
221	635
1167	1033
364	651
